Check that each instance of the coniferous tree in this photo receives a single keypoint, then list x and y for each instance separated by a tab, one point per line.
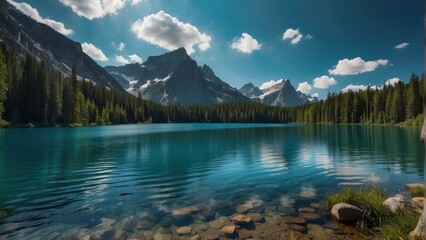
3	85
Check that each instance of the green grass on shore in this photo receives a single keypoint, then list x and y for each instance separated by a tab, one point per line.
370	198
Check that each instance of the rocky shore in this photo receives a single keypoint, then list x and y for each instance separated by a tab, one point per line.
250	219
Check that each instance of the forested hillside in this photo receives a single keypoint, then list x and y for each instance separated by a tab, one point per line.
31	94
389	104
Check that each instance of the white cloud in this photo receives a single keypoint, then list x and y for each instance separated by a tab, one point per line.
356	66
309	36
33	13
324	82
294	34
246	44
269	84
92	9
304	87
121	46
121	60
402	45
135	58
354	88
94	52
392	81
168	32
315	95
134	2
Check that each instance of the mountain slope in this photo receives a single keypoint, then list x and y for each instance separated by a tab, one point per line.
251	91
281	94
175	78
58	52
306	98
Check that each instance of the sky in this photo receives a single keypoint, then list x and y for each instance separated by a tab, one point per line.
320	46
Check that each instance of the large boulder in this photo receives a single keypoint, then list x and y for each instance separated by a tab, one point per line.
419	201
397	202
344	212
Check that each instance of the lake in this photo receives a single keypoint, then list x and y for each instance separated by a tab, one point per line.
105	181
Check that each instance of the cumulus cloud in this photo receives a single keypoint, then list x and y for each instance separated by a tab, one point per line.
304	87
134	2
402	45
121	46
132	58
392	81
135	58
354	88
294	35
33	13
315	95
356	66
168	32
122	60
324	82
309	36
269	84
246	44
94	8
94	52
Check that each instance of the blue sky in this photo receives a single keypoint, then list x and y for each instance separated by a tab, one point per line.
326	45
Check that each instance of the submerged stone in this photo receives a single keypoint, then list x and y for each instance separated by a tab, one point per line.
241	219
291	219
244	207
130	225
158	236
316	205
306	209
318	232
257	217
196	237
229	230
184	230
184	212
309	216
212	234
297	227
244	234
218	223
144	225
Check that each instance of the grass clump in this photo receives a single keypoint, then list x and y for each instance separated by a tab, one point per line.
370	198
417	192
400	225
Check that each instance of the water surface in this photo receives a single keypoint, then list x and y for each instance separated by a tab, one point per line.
62	178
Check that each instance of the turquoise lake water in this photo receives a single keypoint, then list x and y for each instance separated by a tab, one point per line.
54	179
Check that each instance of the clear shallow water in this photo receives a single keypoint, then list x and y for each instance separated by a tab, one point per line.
54	179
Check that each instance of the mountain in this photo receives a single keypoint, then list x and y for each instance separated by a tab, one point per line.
175	78
58	52
306	98
251	91
281	94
